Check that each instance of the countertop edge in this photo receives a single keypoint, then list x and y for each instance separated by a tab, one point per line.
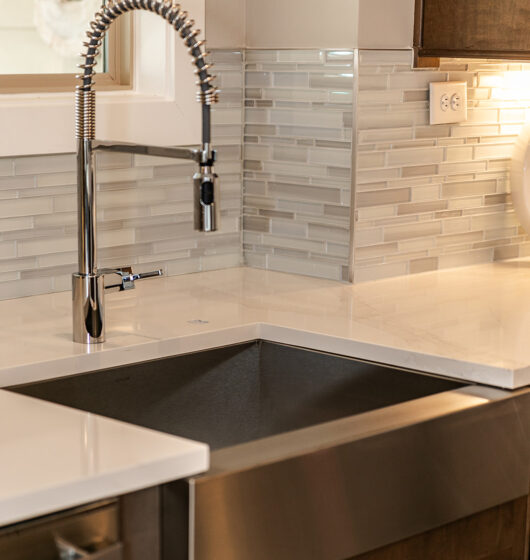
114	357
124	481
161	348
398	357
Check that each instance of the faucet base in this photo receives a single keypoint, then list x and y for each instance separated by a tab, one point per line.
88	292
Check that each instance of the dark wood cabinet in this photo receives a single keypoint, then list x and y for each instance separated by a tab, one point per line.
124	528
473	28
496	534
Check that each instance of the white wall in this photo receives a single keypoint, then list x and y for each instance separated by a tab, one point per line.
225	23
386	24
161	108
283	24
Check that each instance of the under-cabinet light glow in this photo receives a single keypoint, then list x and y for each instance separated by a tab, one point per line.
512	86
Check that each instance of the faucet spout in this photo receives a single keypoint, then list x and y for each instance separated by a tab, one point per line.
206	193
87	284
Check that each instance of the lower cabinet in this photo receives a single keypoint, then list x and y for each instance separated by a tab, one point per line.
132	528
126	528
500	533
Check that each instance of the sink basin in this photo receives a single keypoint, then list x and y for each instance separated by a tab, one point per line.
240	393
314	456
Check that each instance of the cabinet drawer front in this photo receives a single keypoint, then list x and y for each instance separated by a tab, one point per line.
94	529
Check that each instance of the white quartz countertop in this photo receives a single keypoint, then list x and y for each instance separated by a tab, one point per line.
471	323
54	457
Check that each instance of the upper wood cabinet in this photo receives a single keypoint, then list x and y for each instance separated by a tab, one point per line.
473	28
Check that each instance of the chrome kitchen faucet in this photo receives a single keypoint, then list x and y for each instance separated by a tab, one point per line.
88	284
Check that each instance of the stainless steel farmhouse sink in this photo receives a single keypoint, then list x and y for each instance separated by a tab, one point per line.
314	456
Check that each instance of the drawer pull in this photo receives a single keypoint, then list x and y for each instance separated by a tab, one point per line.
69	551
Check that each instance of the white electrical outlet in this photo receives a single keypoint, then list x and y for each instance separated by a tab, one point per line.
448	102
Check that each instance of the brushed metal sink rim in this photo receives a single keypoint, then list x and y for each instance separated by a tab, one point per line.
359	426
489	427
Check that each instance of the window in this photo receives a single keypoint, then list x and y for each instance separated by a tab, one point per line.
41	41
158	107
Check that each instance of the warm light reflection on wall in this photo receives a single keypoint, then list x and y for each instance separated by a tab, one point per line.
511	86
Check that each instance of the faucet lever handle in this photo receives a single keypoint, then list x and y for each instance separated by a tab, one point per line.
127	277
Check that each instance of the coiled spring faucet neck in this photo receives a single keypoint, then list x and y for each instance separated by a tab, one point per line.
88	283
103	19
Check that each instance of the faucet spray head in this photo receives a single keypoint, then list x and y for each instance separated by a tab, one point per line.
206	193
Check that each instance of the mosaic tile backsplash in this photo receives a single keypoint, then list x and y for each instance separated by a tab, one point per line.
434	197
144	204
426	197
298	154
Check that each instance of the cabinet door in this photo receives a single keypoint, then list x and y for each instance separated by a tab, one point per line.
483	28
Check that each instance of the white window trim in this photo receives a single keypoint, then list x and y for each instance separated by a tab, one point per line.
160	109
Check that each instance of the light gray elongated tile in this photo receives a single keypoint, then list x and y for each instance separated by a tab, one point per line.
371	273
327	119
415	156
498	151
422	207
302	56
16	224
459	238
379	97
415	80
305	267
304	192
385	120
106	160
382	197
293	243
329	233
24	288
16	183
258	79
468	188
458	174
255	223
6	167
408	231
292	94
291	79
25	207
36	165
331	81
322	133
373	82
7	249
46	246
466	258
333	156
287	153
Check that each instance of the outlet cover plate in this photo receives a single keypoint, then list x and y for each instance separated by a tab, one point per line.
448	102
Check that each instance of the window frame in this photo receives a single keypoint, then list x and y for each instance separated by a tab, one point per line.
159	108
119	46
